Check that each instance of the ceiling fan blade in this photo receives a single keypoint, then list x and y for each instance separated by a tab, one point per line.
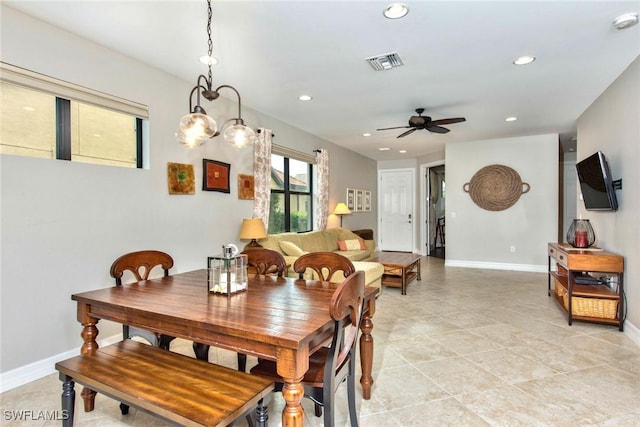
397	127
449	121
406	133
436	129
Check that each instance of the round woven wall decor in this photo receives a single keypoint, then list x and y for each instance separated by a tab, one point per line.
496	187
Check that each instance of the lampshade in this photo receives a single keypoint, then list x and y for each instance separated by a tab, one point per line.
195	129
238	134
341	209
252	229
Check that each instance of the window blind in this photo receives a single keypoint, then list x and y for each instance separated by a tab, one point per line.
23	77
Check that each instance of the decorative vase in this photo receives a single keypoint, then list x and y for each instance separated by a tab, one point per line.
580	234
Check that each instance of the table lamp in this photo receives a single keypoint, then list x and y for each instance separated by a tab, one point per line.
341	209
252	229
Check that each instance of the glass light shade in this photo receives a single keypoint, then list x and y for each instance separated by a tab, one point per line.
239	135
196	126
580	234
188	139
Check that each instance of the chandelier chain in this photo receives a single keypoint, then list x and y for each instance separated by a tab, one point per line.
210	51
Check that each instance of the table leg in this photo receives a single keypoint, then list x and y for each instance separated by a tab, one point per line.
366	350
419	274
292	392
291	366
404	280
89	346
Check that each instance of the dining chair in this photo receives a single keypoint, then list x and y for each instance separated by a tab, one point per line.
324	264
265	261
330	366
141	263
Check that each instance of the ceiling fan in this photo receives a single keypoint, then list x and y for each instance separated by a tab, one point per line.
425	122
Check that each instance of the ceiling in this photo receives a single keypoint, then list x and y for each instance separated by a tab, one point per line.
457	61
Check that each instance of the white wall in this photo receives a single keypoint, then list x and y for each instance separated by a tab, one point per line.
612	125
63	223
481	238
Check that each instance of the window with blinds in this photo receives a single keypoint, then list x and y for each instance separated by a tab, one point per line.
50	118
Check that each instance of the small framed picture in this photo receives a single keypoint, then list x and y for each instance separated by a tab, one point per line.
215	176
367	201
246	185
351	199
181	178
359	200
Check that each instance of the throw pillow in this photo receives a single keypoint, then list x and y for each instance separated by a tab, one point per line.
291	249
351	245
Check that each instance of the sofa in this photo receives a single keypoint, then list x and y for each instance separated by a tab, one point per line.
339	240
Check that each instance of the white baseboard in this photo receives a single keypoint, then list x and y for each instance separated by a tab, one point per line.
496	265
632	332
36	370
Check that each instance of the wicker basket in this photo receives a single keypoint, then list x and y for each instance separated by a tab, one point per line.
588	307
560	290
594	307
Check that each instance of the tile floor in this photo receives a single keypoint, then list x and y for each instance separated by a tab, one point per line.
465	347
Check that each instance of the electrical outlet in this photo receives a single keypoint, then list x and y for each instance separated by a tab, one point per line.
512	248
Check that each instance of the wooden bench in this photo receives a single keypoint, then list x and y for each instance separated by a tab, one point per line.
177	388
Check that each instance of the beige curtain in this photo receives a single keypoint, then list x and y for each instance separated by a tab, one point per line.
322	209
262	175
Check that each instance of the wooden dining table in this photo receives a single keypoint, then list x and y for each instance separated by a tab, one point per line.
281	319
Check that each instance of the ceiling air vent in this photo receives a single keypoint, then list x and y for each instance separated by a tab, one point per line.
385	62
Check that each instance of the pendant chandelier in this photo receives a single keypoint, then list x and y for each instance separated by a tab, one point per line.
197	127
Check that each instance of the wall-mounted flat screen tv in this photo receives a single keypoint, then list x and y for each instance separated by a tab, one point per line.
597	188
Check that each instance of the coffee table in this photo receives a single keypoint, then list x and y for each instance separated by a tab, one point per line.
400	268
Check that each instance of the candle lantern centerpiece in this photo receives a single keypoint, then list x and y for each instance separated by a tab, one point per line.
227	272
580	234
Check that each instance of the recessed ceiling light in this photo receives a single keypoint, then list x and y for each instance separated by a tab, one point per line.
206	60
28	108
366	134
395	11
524	60
402	151
384	149
305	98
511	119
625	21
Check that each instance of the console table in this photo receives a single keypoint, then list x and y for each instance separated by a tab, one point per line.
599	302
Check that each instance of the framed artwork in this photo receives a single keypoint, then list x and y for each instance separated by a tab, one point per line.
245	187
215	176
367	201
351	199
181	178
359	200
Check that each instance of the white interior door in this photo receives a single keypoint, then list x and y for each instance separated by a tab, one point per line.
396	215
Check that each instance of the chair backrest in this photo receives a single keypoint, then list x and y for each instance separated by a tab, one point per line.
265	261
140	263
325	265
346	310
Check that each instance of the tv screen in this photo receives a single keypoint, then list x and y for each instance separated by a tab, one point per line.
596	184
